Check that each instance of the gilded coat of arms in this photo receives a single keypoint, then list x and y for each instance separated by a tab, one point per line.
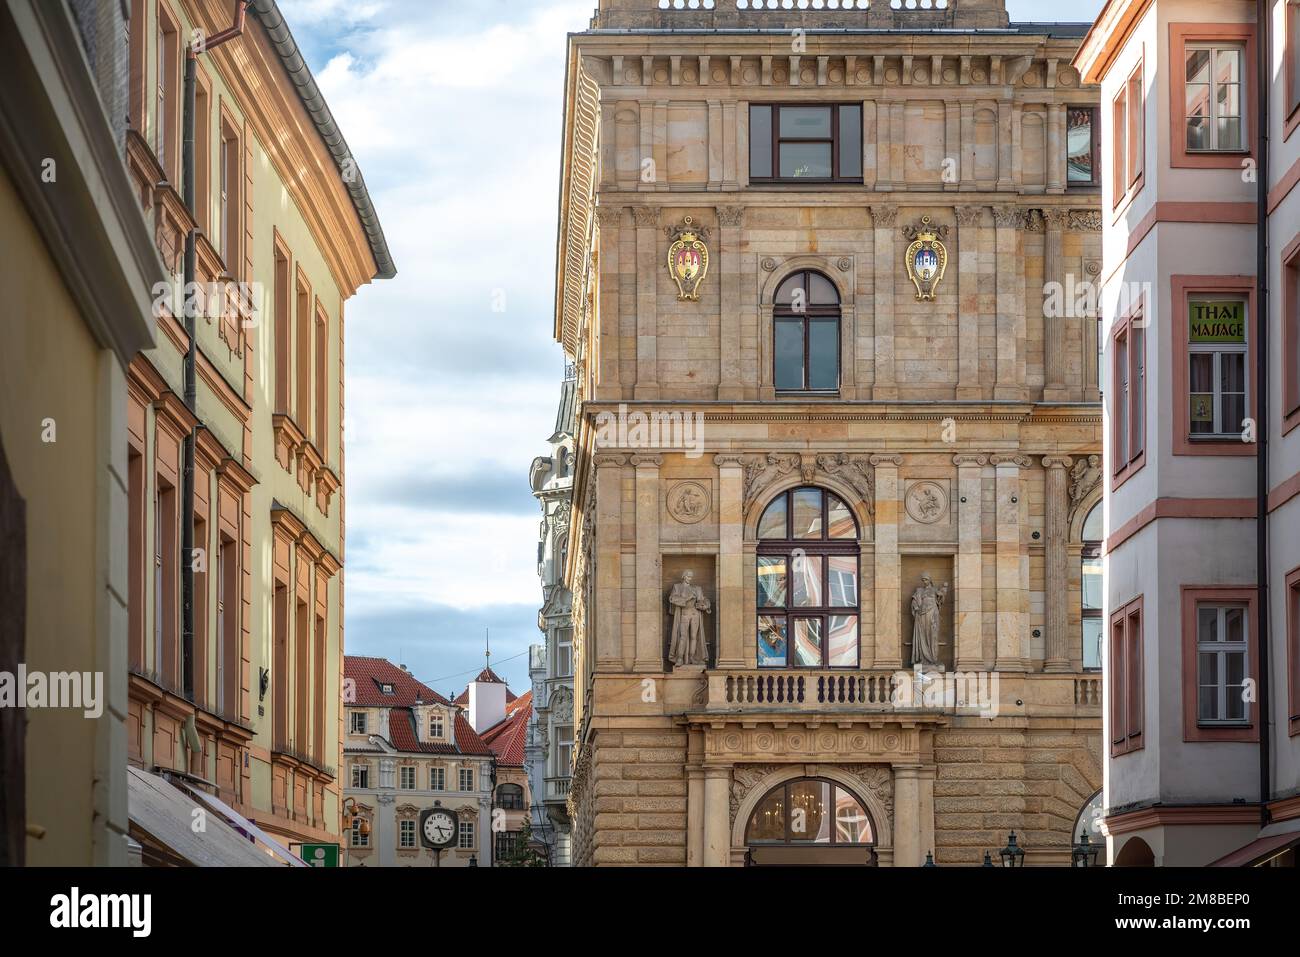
688	261
926	258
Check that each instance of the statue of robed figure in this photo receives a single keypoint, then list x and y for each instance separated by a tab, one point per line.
925	621
688	645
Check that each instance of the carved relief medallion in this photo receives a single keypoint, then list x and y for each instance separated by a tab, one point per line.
927	502
689	502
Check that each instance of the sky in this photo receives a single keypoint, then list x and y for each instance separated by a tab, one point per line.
453	111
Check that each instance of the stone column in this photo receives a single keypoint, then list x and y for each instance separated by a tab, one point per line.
717	817
884	218
609	353
889	646
1056	495
969	611
1056	148
1010	595
970	234
694	816
649	648
730	221
925	810
646	219
1008	220
609	560
907	816
884	138
731	617
1054	327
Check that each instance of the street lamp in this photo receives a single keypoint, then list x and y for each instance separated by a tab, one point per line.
1012	855
1084	854
350	814
929	860
988	860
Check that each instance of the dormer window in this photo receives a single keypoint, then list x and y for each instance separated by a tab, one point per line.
386	688
435	726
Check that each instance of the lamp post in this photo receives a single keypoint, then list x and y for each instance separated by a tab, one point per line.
1013	855
988	860
349	815
1084	854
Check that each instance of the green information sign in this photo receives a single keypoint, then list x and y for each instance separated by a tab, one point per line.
319	855
1216	321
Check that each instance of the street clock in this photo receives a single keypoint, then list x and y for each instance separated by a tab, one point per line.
437	828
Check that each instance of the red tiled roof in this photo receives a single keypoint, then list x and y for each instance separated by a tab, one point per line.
489	676
507	736
402	735
370	674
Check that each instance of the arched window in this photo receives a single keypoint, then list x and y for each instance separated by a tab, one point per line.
810	811
807	595
1092	589
806	334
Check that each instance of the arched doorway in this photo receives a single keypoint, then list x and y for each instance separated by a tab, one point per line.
810	822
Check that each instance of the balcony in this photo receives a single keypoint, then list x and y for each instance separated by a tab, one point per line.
557	789
884	691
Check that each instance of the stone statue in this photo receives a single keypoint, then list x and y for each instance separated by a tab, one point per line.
1085	475
688	646
925	621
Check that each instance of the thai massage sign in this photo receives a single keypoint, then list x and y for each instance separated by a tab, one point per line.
1216	321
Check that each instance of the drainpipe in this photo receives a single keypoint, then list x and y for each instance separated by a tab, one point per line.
192	51
1264	56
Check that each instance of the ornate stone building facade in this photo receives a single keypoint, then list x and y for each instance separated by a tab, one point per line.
818	272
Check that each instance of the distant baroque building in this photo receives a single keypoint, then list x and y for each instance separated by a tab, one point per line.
550	665
407	748
838	434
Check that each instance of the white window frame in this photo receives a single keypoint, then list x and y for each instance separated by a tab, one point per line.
356	726
1219	350
1221	650
563	653
465	836
465	778
563	750
436	727
437	778
406	834
358	839
406	773
1213	119
361	776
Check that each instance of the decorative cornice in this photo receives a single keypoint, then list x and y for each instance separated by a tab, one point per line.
1085	220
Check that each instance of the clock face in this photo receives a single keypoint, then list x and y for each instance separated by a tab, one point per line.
439	828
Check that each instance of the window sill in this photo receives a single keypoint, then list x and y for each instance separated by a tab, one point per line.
805	182
1128	471
798	394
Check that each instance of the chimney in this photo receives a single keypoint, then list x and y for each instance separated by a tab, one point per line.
487	703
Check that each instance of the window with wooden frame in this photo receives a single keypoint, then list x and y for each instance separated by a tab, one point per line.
1213	345
203	154
465	836
799	143
280	668
361	775
166	597
435	727
407	834
1082	147
1291	335
201	580
281	319
230	191
807	582
1219	667
301	676
356	722
806	334
1293	651
1128	395
1127	149
303	321
318	687
1125	680
136	552
1210	88
406	777
320	382
167	100
359	838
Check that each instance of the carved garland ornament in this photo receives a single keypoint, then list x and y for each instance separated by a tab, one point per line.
855	470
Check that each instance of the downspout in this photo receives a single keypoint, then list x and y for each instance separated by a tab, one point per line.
192	51
1263	82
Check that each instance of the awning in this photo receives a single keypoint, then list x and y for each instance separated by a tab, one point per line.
164	816
1259	850
247	827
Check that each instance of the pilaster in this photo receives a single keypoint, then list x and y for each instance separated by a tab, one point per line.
889	647
1057	506
649	654
731	562
969	610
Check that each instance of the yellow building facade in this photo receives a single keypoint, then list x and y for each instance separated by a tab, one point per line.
282	213
819	272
